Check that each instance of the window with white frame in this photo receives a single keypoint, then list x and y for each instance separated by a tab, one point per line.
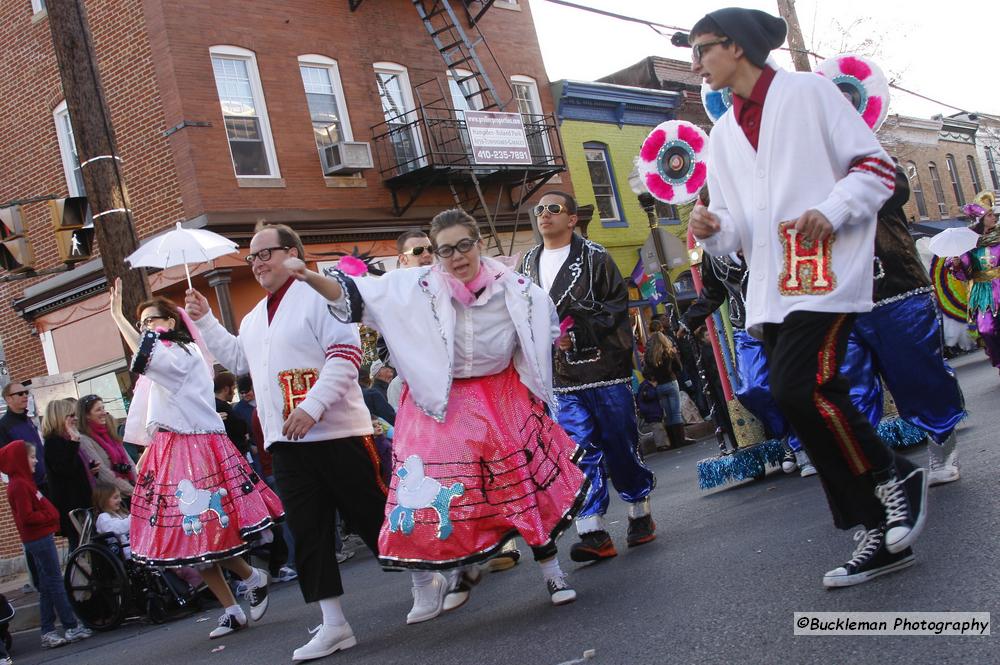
244	112
603	181
917	188
956	184
992	166
973	174
67	150
463	88
325	96
37	6
938	189
394	92
529	103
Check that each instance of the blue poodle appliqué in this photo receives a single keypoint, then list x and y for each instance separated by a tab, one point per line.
192	502
416	491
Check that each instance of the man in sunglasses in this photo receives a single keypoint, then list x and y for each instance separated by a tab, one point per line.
592	372
304	365
17	424
414	249
797	178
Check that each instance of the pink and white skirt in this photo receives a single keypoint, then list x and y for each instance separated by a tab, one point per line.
196	501
497	467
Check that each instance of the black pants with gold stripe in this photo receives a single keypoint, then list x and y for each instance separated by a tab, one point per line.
804	355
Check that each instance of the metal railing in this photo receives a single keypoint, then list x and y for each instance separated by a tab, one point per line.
438	138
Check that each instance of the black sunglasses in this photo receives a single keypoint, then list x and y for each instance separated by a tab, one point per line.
418	250
20	393
553	208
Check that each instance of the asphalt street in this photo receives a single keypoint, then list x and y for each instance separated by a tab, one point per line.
719	585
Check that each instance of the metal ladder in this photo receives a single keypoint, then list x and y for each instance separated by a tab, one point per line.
459	52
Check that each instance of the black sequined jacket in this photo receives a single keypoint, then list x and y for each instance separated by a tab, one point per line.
590	288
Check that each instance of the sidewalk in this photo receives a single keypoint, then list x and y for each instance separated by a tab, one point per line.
25	604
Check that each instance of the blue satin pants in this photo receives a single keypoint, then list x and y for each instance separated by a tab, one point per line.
905	339
602	421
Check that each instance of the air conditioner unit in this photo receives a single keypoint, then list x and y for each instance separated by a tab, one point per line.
346	157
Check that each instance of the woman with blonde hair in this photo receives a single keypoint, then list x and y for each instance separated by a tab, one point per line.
70	470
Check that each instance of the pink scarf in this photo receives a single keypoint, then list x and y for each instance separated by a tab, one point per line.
466	293
116	452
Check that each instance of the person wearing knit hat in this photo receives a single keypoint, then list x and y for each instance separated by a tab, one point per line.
797	179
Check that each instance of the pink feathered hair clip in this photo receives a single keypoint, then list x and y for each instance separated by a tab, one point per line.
974	210
352	266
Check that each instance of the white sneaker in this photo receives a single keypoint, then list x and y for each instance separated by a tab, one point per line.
461	587
81	632
428	601
327	640
943	464
52	639
806	467
227	624
287	574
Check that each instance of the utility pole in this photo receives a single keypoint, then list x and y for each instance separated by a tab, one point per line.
96	147
796	44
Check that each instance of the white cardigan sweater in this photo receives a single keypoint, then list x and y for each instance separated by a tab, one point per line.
814	152
303	358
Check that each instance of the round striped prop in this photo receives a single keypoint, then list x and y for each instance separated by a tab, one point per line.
951	293
672	161
863	84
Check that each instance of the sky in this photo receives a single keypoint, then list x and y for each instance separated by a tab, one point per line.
950	56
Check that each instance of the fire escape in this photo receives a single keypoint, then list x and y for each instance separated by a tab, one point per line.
429	146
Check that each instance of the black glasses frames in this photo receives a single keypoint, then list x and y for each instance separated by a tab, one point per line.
463	246
698	50
418	250
263	254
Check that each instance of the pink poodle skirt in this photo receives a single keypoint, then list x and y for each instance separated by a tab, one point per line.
197	500
497	467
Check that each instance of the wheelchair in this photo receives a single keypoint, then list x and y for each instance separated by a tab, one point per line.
105	588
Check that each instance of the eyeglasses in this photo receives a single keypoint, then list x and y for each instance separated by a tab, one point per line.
464	246
418	250
263	254
698	50
553	208
144	324
19	393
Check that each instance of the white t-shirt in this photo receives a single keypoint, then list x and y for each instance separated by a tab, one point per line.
549	263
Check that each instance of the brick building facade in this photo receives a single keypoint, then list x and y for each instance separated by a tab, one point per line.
223	112
940	158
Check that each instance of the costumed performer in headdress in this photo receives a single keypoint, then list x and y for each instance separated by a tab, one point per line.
476	458
981	266
197	502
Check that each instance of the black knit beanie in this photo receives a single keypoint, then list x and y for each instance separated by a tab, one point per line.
758	33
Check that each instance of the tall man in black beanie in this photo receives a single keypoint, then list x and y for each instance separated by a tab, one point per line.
797	179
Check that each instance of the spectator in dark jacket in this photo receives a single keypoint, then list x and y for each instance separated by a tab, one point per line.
17	424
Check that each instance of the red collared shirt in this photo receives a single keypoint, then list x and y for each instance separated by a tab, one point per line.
274	299
750	111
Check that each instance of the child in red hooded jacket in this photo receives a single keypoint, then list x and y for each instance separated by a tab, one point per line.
37	520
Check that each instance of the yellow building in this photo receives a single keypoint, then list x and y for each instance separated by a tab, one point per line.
602	128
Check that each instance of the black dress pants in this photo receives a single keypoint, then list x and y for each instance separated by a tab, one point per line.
804	355
317	479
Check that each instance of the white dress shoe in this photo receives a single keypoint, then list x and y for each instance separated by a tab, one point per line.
327	640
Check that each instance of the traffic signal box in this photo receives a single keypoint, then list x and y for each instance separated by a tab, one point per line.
74	230
16	253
